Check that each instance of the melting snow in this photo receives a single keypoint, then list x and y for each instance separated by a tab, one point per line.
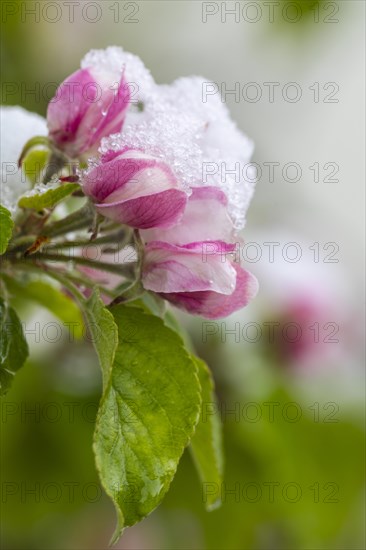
191	131
17	127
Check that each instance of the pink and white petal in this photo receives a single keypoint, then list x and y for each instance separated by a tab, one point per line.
211	248
89	130
106	178
205	218
127	175
209	192
67	110
172	276
213	305
158	210
151	177
179	269
113	110
122	152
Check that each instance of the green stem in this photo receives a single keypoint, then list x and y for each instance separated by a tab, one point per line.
134	291
65	282
25	266
77	220
20	243
56	163
108	225
140	251
44	269
106	239
120	269
89	284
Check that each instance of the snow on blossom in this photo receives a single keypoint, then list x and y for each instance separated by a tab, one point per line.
17	127
188	129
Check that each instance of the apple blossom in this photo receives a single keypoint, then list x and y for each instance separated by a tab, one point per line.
171	165
134	188
198	277
192	268
93	102
205	218
89	105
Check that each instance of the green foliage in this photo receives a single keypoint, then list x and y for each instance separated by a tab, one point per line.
48	199
206	444
13	346
103	331
34	163
147	415
51	298
6	228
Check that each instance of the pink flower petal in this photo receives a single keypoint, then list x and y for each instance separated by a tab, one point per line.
110	114
136	189
169	268
205	218
213	305
155	210
67	109
85	109
128	173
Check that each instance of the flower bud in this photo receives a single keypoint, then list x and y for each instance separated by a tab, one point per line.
205	219
136	189
89	105
198	277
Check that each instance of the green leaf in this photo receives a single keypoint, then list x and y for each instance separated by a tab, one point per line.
34	164
36	141
155	304
13	346
49	198
103	331
206	444
171	322
147	415
6	228
50	298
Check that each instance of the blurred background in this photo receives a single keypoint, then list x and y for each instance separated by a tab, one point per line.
288	368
